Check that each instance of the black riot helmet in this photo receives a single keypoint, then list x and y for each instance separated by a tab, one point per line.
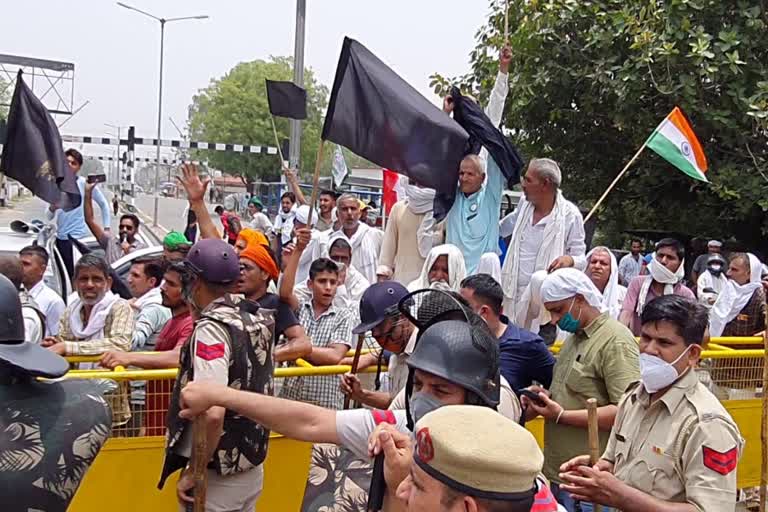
454	344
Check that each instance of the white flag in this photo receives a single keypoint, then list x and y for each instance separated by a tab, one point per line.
339	166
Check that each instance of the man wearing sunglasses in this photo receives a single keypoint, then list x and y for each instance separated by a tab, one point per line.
114	247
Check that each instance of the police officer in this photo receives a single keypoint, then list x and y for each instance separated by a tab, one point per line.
393	332
229	347
42	423
470	459
673	447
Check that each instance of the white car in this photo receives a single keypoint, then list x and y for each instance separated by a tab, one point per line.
13	239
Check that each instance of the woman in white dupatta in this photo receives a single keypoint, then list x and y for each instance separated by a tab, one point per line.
742	287
444	265
603	271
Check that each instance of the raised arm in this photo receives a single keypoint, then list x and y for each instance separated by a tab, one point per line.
97	230
288	281
293	183
106	217
495	107
195	188
297	420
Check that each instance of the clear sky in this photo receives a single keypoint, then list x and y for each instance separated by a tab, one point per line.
116	51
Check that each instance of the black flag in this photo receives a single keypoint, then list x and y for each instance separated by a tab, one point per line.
33	153
379	116
482	133
286	99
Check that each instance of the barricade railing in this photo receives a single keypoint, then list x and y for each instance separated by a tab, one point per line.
140	401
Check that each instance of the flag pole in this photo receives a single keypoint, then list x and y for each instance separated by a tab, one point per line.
506	22
315	181
277	142
613	183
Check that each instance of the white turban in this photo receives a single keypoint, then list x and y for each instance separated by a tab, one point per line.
302	214
568	282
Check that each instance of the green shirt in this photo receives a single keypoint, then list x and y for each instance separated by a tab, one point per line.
599	361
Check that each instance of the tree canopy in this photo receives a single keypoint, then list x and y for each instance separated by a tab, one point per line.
234	109
591	79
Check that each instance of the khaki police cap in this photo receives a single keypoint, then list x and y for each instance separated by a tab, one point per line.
477	451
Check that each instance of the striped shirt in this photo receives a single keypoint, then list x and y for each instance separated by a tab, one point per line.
118	331
332	327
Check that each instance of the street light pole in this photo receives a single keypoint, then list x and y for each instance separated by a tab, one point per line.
298	79
162	21
159	121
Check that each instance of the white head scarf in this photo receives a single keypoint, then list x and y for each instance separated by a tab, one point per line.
568	282
457	270
660	274
732	299
302	214
611	293
490	264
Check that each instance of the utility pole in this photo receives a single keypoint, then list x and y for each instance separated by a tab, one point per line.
298	79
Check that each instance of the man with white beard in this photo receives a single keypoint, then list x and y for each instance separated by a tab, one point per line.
411	233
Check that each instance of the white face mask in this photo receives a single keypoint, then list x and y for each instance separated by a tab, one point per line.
656	374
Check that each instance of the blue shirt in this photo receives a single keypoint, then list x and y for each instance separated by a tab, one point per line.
524	357
73	221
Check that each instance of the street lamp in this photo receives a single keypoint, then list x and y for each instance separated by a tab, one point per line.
117	153
162	21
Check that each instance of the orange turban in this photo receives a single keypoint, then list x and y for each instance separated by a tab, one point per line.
258	254
251	236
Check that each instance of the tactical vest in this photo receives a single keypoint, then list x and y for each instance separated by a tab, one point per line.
243	444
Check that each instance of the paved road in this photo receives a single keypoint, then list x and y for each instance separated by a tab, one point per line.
170	211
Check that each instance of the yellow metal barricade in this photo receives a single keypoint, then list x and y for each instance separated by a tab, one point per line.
133	457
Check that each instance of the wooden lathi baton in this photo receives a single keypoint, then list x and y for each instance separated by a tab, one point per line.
199	462
355	362
594	439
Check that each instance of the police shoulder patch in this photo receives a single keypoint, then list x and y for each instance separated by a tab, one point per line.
720	462
209	352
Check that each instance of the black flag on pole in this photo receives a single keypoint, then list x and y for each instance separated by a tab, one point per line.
379	116
483	134
286	99
33	153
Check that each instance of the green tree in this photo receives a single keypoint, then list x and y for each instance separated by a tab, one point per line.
234	109
591	79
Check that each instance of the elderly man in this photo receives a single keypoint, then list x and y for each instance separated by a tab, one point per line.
34	261
97	320
598	360
364	240
631	264
712	281
472	222
700	264
411	233
547	234
673	447
601	269
666	271
444	267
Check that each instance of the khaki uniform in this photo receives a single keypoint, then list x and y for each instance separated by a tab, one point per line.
682	448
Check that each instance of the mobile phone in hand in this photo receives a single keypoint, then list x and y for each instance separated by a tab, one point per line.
533	397
97	178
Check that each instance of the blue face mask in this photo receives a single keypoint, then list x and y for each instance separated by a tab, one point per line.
567	322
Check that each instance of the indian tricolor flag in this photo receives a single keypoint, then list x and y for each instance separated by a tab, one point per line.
676	143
